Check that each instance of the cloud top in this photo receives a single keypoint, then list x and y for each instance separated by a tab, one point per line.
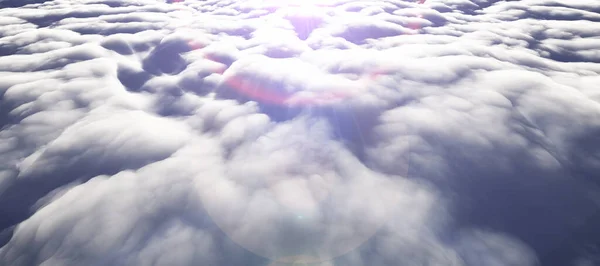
259	133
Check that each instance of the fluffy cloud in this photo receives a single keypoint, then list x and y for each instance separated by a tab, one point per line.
283	133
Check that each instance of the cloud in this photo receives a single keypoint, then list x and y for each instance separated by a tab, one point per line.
259	133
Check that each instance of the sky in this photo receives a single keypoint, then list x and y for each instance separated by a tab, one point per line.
283	132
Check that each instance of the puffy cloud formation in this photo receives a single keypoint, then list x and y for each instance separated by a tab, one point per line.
343	132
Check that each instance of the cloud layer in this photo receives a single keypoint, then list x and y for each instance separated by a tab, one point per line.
269	133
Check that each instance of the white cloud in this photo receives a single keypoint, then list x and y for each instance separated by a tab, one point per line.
354	133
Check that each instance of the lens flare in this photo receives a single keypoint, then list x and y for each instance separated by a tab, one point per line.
300	216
